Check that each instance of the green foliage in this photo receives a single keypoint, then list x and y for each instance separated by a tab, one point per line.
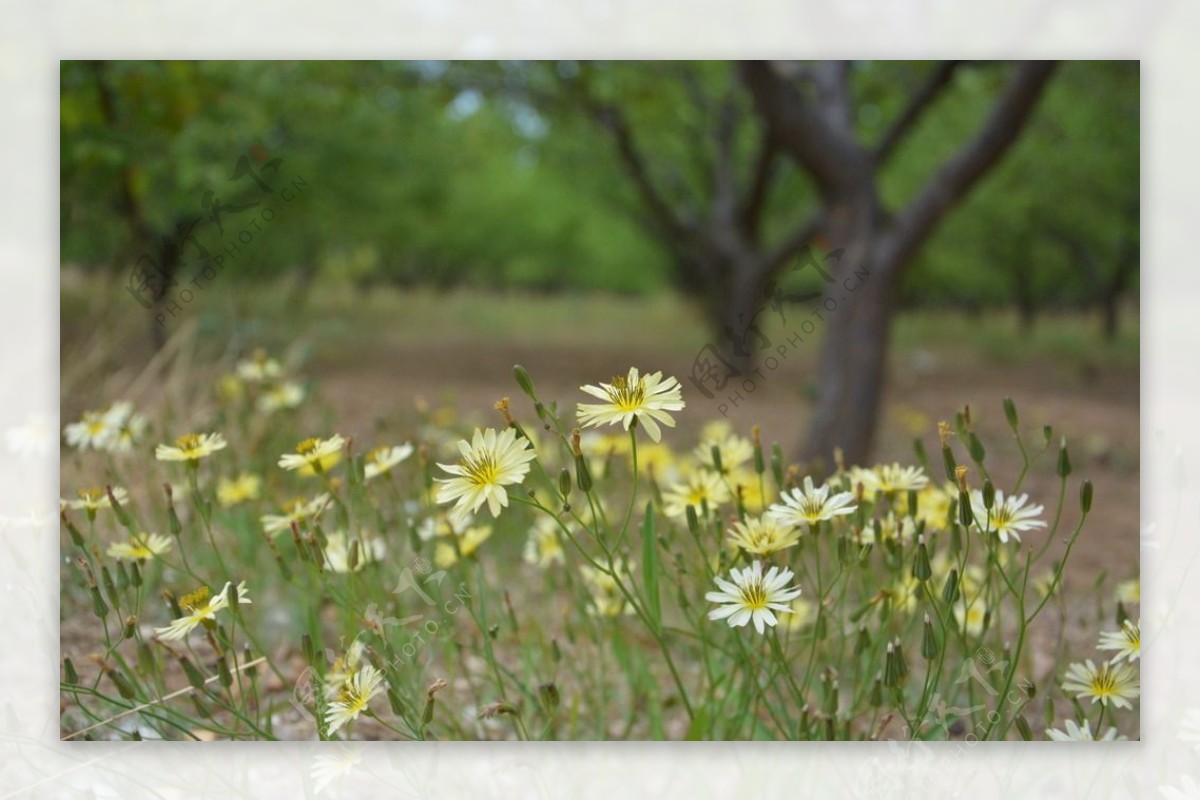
443	174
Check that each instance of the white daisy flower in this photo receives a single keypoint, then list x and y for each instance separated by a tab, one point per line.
1110	683
200	608
298	511
284	395
811	505
646	399
700	486
1127	642
93	431
337	552
489	462
382	460
314	455
752	596
1075	732
140	547
354	697
1008	517
190	448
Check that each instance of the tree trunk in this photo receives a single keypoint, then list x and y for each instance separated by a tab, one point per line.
854	344
741	316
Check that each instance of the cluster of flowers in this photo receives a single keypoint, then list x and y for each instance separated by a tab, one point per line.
888	504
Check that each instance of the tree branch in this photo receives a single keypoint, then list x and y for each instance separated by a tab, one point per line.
755	199
961	172
835	161
917	105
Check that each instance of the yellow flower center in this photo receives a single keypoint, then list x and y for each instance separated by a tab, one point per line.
96	426
353	698
308	446
1104	682
481	471
195	600
188	442
625	397
91	496
754	596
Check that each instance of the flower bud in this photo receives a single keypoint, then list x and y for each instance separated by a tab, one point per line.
1047	435
950	589
891	670
1010	413
965	516
693	522
564	484
193	675
975	447
583	475
989	494
777	464
76	537
921	568
69	674
1064	460
876	697
130	625
548	694
862	642
223	674
929	645
524	381
1085	496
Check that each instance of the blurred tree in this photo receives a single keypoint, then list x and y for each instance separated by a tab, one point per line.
810	110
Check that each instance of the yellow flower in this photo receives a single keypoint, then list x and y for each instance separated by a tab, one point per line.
700	486
933	506
90	500
298	511
201	608
1129	591
338	549
971	617
259	367
284	395
190	448
382	460
804	614
489	462
735	451
314	455
762	536
343	669
893	478
607	598
140	547
646	399
229	387
469	541
245	487
544	548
